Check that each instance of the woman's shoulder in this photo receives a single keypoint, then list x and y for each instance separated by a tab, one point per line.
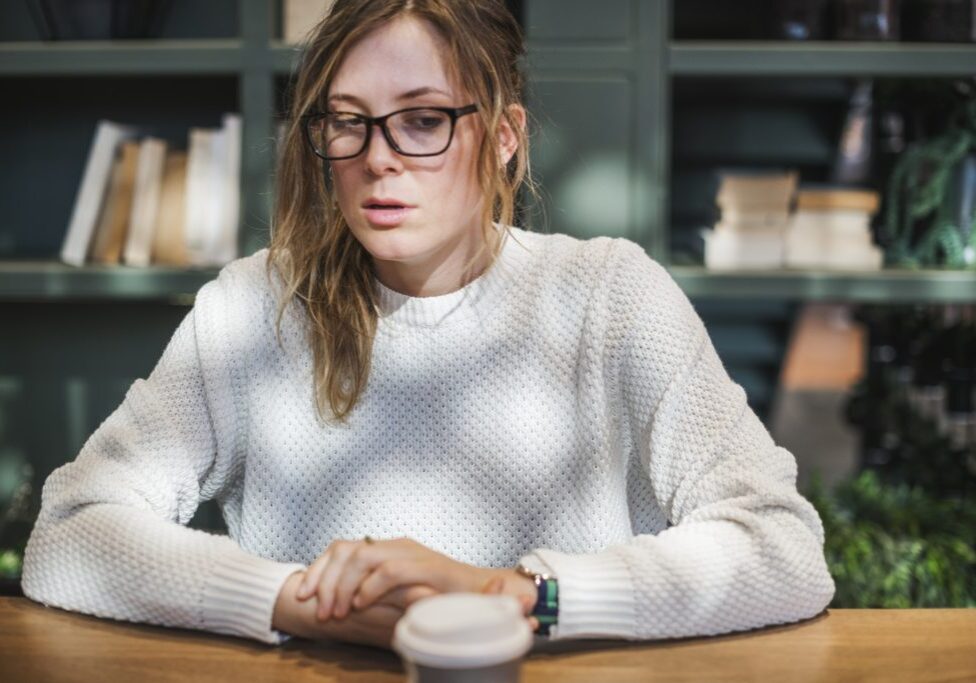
243	293
243	279
598	257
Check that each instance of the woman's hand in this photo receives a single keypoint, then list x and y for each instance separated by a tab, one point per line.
355	575
371	626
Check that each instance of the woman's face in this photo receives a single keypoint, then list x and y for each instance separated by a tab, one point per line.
438	230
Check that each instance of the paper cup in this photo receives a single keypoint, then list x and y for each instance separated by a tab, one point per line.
463	638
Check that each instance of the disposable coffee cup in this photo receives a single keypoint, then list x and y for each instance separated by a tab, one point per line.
463	638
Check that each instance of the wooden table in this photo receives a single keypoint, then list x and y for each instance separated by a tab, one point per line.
40	644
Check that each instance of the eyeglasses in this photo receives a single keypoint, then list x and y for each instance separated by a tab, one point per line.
413	132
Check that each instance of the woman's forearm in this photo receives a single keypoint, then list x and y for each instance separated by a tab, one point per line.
371	626
290	613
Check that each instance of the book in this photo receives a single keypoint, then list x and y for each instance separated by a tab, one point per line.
110	235
145	204
732	250
230	226
211	238
169	235
213	193
755	212
750	220
199	159
831	239
301	16
837	199
771	191
93	189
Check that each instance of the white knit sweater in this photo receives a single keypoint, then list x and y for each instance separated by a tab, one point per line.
566	408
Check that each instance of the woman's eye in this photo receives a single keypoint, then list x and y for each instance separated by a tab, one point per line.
425	122
343	122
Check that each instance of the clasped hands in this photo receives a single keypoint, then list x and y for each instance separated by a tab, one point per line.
355	575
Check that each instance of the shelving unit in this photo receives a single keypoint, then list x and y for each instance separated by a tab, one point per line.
602	96
624	52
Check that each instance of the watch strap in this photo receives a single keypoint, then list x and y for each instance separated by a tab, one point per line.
546	609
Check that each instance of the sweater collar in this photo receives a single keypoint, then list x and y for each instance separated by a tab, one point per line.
476	299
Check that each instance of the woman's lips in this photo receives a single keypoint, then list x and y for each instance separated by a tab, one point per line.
387	217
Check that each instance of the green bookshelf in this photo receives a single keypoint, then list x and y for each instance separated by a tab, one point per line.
820	58
609	90
623	54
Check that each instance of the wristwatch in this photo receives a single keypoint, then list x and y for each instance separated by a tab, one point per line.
546	608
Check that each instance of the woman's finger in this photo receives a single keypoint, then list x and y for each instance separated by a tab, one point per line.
389	575
493	585
313	575
404	596
358	565
325	590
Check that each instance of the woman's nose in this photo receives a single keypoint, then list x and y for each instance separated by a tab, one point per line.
380	156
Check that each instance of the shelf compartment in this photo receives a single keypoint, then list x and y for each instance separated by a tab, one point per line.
143	57
886	286
54	281
820	58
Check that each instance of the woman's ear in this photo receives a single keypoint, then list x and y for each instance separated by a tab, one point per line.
507	138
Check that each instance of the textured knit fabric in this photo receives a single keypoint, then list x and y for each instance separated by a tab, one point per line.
566	408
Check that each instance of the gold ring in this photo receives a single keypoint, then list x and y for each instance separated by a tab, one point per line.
367	539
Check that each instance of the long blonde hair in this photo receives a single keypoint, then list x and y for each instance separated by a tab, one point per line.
321	263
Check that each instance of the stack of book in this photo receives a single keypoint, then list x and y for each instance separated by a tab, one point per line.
755	209
831	229
142	203
299	17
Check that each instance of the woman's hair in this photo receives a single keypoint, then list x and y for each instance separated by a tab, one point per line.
321	263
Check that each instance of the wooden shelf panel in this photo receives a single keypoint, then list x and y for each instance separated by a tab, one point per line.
887	286
117	57
820	58
53	281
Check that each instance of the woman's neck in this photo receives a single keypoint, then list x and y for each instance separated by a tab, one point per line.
439	275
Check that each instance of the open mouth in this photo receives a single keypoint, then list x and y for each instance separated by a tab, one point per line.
386	215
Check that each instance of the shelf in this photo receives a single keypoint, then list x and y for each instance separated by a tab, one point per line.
118	57
53	281
887	286
820	58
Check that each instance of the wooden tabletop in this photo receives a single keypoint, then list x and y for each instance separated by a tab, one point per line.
47	645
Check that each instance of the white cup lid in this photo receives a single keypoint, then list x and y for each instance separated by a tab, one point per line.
463	631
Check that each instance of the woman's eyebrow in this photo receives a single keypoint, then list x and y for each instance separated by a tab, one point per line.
416	92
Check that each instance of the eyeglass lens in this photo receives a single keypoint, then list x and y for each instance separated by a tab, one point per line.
419	131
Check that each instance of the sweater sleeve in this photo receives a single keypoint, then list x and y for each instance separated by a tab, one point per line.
743	548
110	539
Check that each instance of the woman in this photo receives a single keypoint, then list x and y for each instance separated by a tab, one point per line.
406	395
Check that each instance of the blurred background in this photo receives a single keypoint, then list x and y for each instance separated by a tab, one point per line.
806	170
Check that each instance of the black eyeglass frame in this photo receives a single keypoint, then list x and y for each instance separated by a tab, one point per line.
453	112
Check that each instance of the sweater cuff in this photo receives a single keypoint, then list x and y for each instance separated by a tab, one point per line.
240	595
596	595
